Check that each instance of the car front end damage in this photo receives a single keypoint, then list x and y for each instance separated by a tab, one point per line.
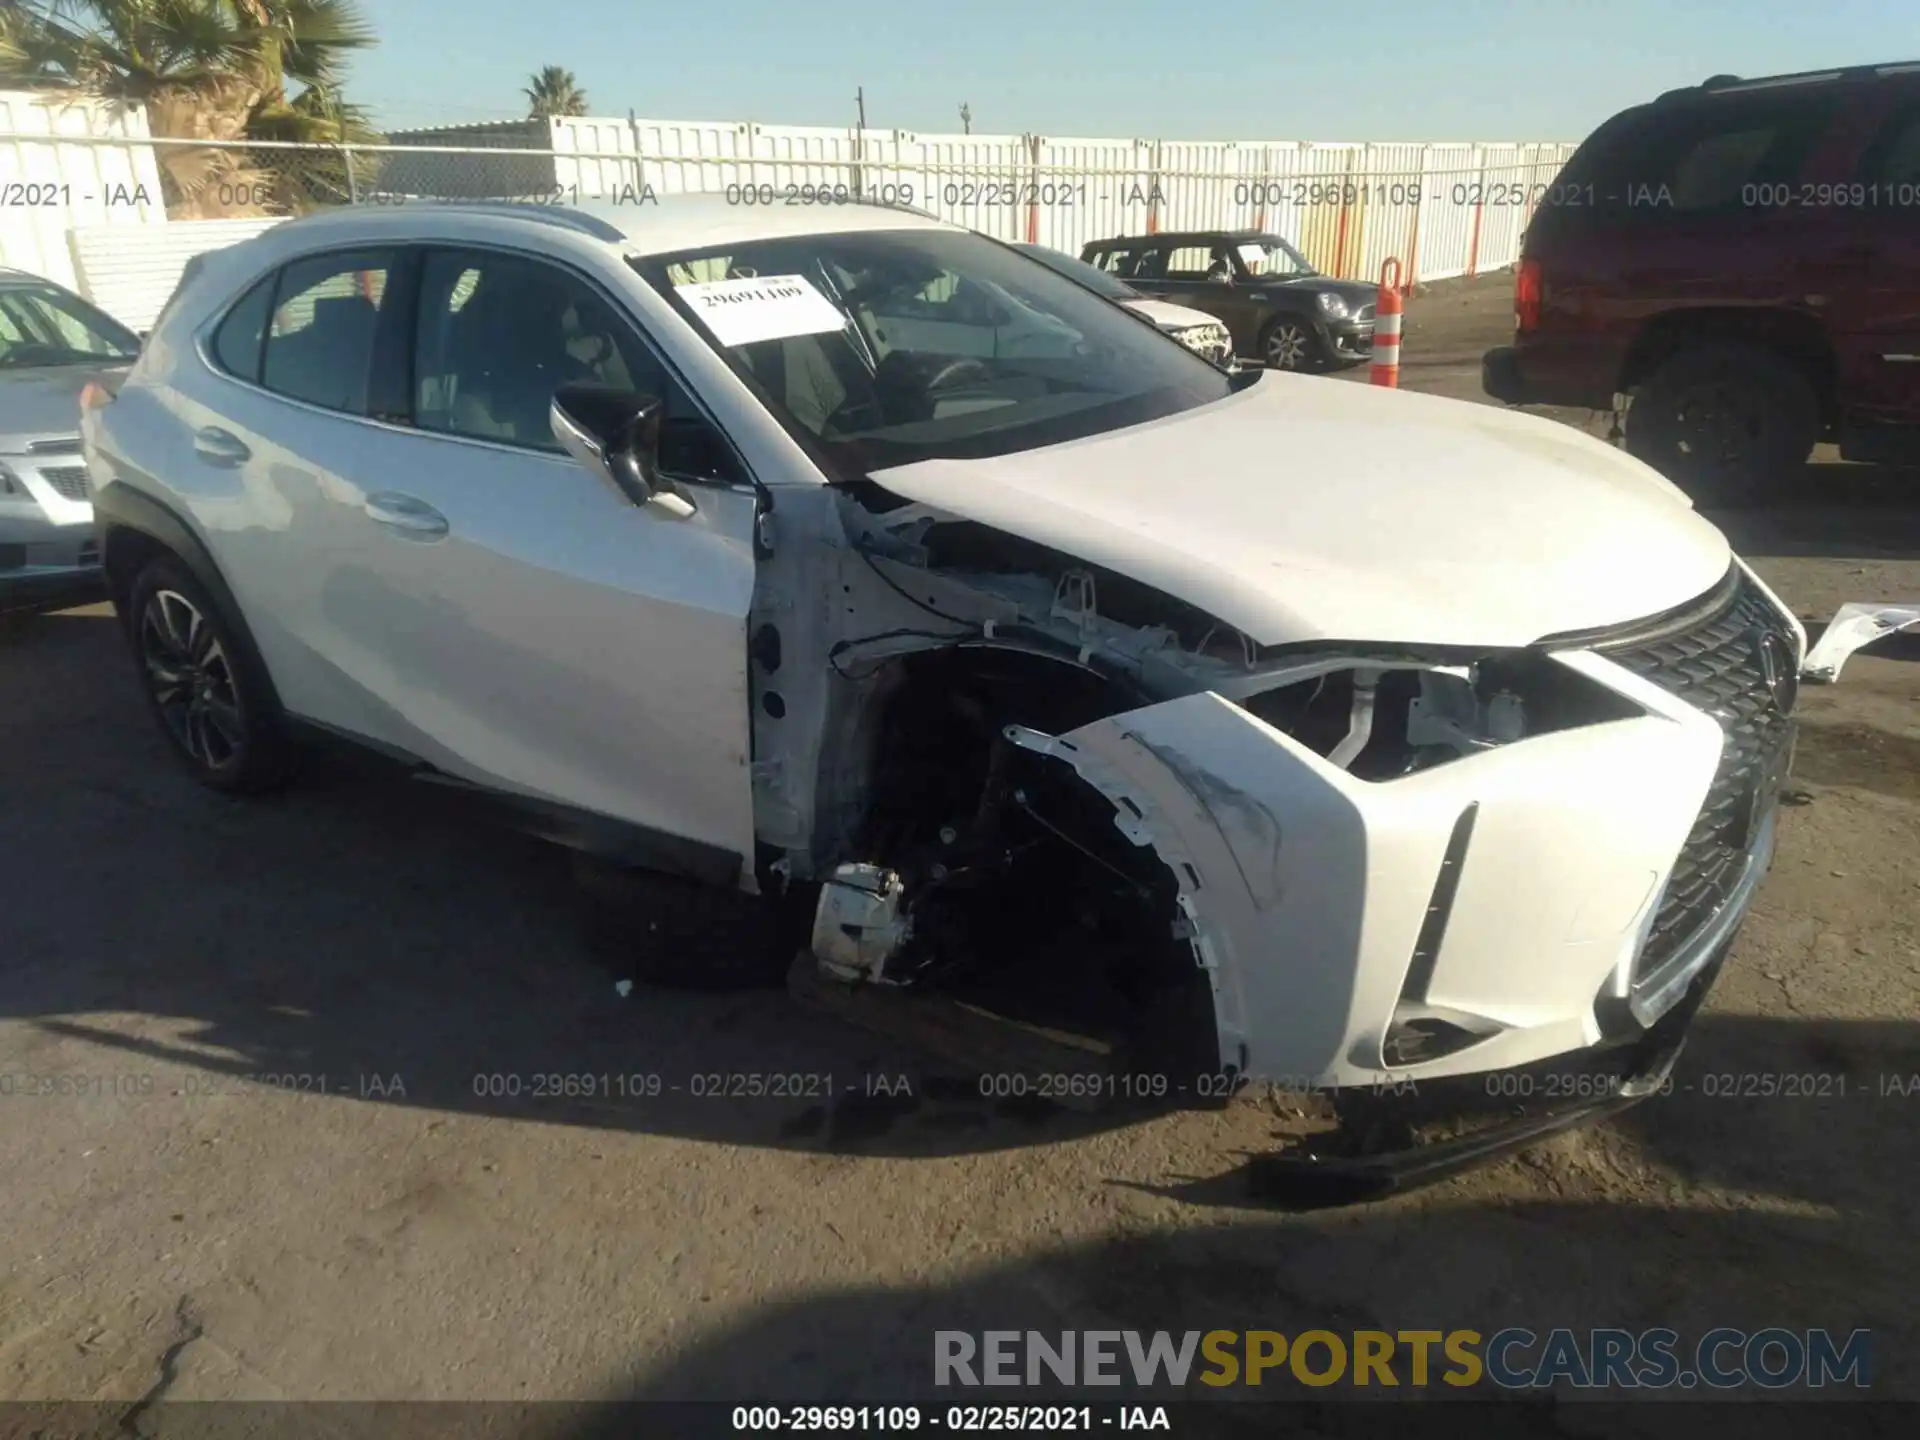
1468	897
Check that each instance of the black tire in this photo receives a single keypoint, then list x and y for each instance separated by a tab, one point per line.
1289	343
1725	422
685	935
215	708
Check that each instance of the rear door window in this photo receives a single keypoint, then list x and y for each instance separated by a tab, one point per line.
1190	262
320	340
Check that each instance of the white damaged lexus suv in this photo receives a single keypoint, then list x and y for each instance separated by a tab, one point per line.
1241	727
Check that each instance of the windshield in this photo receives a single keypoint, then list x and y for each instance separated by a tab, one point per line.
40	325
1081	273
887	347
1270	258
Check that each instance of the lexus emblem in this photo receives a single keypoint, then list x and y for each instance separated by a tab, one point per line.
1778	668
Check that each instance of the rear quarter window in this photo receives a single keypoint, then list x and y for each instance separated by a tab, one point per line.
241	337
1692	157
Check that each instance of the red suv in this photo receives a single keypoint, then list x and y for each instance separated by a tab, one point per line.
1736	266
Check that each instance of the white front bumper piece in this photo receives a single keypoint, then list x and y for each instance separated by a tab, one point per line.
1532	900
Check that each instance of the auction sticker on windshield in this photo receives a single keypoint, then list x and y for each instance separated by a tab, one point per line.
765	307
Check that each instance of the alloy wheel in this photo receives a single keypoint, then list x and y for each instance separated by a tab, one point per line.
1719	425
1287	346
191	679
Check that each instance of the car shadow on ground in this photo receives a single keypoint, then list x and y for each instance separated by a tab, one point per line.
1839	510
359	929
1799	1172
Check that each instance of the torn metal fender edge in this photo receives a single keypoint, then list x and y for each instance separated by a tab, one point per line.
1136	817
1854	627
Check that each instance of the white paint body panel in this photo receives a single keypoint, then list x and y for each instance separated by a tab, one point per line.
1312	885
557	643
1313	509
1169	316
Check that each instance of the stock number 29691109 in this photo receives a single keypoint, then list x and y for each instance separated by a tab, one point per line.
841	194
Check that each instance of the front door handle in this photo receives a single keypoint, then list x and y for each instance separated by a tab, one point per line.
412	517
220	447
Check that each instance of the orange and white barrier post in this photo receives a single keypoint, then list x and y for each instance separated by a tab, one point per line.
1386	328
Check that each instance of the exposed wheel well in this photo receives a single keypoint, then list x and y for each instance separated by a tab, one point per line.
1797	338
126	550
124	553
1061	920
940	721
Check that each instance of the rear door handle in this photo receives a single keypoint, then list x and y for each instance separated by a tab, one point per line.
220	447
407	514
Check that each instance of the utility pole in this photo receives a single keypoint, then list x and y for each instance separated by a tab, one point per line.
860	141
966	118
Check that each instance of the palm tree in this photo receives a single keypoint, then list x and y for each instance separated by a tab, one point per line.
204	69
552	92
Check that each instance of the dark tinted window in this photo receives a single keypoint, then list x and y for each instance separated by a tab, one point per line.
1122	262
1893	161
1691	156
1713	172
498	334
239	341
1149	263
320	341
1196	262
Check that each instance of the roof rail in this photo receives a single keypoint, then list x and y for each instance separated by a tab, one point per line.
565	216
1722	84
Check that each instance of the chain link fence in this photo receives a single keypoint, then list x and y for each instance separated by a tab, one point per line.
69	202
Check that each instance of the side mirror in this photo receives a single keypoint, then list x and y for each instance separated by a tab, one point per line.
616	434
1219	277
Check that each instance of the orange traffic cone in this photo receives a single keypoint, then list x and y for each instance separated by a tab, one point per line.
1386	328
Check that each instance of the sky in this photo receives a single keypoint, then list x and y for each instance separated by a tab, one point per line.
1430	70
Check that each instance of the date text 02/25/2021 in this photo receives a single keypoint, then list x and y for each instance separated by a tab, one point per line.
957	1419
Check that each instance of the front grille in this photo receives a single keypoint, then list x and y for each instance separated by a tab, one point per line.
68	480
1715	662
1364	313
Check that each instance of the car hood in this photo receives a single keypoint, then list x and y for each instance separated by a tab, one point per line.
44	403
1307	508
1169	316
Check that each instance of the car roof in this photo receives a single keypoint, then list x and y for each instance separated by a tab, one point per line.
648	226
1168	237
1742	85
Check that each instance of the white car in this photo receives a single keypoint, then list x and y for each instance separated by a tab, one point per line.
1193	328
1433	742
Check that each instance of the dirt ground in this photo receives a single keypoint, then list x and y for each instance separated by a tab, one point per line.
181	1229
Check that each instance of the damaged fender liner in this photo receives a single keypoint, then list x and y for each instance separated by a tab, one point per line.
1139	820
